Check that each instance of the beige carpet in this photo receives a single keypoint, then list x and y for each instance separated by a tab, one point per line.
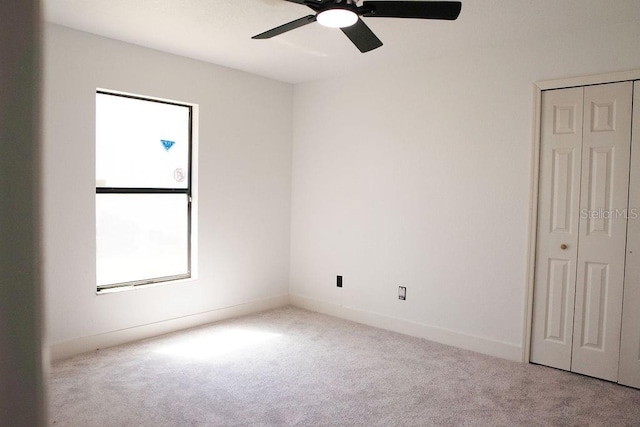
293	367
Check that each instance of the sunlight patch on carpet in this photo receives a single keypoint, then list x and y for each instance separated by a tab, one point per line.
217	344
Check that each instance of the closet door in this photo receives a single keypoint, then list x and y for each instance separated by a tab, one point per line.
603	229
558	217
629	373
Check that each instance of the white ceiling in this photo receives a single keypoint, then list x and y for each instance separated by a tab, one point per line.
220	31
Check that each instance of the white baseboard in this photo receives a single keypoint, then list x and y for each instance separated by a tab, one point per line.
73	347
431	333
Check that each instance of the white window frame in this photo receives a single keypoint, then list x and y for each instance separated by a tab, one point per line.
139	190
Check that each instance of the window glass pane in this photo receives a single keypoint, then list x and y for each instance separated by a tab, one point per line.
140	143
141	236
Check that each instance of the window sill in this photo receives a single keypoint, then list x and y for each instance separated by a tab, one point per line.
126	288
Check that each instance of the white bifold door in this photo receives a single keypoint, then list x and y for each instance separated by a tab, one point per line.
629	371
585	223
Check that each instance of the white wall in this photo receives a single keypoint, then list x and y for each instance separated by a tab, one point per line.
243	184
416	175
419	175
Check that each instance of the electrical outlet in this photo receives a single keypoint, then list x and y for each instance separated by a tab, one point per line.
339	282
402	293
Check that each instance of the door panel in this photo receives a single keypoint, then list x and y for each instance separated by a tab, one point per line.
559	192
561	209
557	301
594	304
602	231
629	373
600	180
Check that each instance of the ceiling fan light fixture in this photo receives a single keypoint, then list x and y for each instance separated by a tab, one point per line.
337	18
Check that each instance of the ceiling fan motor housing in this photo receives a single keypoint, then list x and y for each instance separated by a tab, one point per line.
350	5
341	4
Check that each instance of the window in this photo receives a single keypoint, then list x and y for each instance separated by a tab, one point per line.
143	191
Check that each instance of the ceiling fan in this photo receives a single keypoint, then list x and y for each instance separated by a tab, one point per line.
345	14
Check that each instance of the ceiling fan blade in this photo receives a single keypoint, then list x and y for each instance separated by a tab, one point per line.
286	27
449	10
362	36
